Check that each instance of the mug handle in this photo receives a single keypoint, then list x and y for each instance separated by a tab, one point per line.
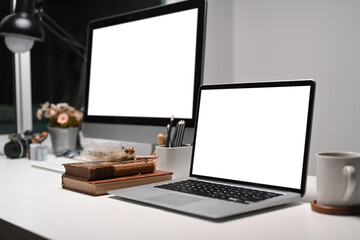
349	172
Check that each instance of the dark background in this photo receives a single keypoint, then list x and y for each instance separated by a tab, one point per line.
7	82
56	69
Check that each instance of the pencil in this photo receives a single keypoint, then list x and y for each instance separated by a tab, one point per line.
169	128
172	121
167	141
182	134
177	139
173	136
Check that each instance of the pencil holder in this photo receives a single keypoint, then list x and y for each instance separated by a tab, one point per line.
175	159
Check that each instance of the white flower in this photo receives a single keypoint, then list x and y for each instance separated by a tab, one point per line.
62	106
50	113
45	106
78	115
54	107
39	114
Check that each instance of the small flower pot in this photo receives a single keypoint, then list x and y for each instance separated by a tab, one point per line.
63	138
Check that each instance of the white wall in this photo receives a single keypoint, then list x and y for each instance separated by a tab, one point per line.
251	40
219	46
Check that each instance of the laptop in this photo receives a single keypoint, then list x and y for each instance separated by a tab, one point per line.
250	151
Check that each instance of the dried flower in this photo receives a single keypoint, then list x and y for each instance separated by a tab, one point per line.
61	115
108	152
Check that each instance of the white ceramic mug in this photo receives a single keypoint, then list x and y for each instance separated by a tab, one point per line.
338	178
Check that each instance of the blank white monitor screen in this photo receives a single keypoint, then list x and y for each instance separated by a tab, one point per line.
253	135
144	68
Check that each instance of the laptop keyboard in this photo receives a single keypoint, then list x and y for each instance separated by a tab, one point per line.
219	191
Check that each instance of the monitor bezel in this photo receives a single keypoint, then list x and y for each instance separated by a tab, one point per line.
139	15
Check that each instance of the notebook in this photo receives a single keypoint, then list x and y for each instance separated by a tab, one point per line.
249	137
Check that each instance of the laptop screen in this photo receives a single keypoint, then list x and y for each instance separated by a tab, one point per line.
253	133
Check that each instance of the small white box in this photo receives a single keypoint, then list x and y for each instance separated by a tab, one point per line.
41	153
33	151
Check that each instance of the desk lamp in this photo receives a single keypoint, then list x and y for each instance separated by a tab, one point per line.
26	25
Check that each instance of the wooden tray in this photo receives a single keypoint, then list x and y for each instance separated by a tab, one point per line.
335	210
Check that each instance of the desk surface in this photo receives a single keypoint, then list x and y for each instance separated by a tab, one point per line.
33	199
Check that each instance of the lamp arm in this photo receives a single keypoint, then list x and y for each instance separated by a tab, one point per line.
61	33
68	38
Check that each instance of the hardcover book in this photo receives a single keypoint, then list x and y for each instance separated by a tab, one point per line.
103	169
101	187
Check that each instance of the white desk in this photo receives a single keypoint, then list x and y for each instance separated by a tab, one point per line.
33	199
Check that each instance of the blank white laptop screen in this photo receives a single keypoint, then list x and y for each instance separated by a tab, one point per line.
253	135
148	65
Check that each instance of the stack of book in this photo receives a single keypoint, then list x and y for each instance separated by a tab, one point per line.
99	177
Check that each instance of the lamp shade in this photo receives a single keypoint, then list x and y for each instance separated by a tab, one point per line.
21	29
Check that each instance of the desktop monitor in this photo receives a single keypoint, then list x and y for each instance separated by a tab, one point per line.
142	68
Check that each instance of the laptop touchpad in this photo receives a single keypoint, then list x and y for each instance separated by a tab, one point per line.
174	199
